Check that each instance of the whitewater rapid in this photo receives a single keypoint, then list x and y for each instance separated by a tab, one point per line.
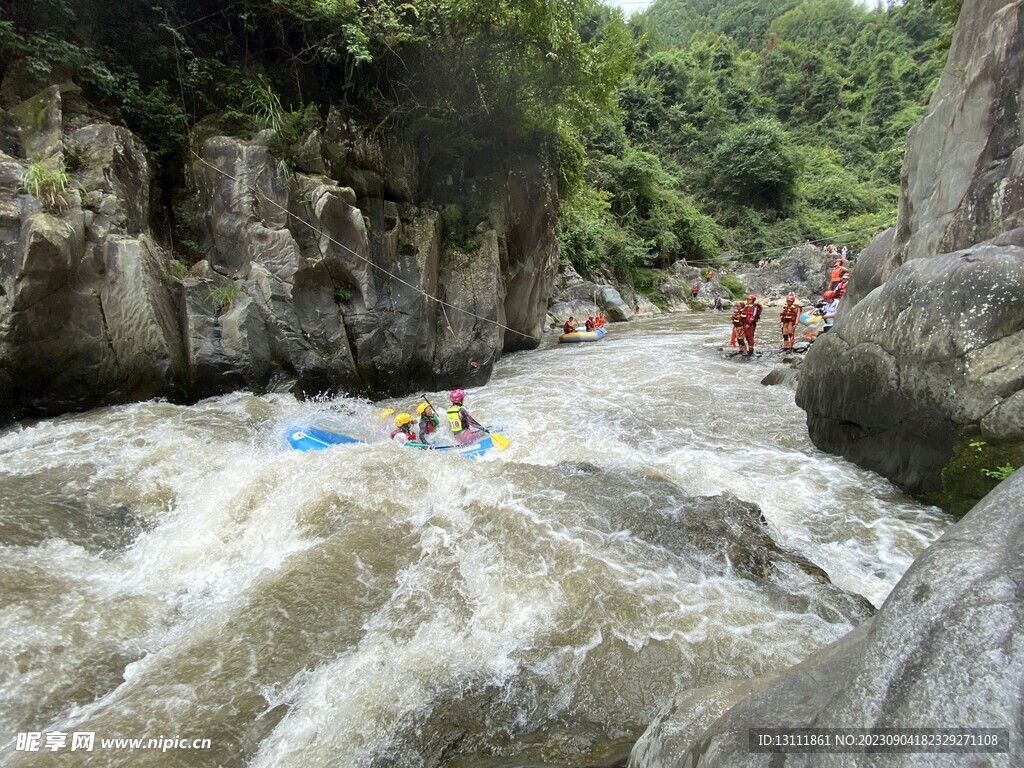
177	571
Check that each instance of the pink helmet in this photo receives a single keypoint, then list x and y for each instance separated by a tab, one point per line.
456	396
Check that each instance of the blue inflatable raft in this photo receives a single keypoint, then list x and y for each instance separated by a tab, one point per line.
316	439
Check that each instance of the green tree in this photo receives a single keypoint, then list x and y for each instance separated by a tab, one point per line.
757	164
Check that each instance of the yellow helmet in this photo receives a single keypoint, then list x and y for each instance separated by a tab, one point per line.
402	419
421	408
386	413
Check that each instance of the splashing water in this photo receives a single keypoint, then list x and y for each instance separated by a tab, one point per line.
174	571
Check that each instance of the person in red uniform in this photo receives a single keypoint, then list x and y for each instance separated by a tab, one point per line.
753	312
465	429
739	320
787	320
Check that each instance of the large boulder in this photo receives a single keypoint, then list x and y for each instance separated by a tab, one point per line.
926	352
802	270
944	651
936	350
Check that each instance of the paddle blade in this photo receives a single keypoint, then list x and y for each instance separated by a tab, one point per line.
499	440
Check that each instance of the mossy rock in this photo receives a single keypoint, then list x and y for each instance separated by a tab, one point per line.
733	286
964	478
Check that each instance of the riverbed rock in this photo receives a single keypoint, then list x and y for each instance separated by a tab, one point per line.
784	375
943	651
610	302
927	352
801	270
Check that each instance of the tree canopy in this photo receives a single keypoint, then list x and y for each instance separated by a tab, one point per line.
775	120
698	126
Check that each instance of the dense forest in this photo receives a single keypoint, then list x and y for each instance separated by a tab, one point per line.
752	125
697	127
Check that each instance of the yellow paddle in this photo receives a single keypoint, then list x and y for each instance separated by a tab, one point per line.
497	438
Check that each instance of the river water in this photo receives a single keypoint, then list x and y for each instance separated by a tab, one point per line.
178	572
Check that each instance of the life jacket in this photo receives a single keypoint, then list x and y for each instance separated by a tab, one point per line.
568	328
837	273
739	317
428	426
454	414
789	313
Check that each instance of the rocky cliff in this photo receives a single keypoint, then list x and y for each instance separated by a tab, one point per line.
324	275
928	349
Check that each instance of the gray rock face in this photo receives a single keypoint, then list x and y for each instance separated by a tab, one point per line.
872	269
801	270
330	281
530	253
611	303
88	312
927	345
963	178
943	651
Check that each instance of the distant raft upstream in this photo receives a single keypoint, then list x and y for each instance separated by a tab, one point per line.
578	336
